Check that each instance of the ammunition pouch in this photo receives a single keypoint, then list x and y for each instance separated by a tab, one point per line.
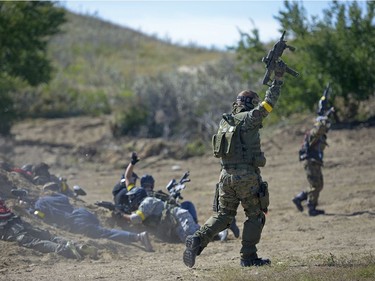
226	141
264	197
168	223
222	143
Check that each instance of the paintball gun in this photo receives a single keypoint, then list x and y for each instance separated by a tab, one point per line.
174	188
273	57
323	102
113	207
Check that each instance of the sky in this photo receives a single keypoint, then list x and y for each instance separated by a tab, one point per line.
203	23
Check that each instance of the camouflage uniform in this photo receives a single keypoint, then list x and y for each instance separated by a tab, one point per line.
240	182
316	143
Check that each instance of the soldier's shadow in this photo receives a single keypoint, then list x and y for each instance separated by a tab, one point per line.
352	214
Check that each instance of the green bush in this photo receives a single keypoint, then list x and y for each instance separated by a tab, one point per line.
130	116
7	115
42	102
196	148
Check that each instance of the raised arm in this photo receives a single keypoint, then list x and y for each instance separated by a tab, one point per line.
129	179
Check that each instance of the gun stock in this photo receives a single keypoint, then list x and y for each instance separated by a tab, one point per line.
106	204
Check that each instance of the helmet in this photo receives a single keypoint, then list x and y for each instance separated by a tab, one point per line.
135	197
147	182
248	99
41	169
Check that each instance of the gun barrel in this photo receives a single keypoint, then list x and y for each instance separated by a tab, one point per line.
105	204
282	36
326	90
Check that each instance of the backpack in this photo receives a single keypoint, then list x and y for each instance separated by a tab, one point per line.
223	142
304	150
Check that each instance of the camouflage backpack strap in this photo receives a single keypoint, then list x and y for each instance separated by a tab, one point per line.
168	223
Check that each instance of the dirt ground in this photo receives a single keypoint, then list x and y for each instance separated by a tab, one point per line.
83	151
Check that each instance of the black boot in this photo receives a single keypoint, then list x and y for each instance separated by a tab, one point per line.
193	249
313	211
302	196
255	262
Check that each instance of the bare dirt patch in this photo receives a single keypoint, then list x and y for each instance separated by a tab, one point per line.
83	150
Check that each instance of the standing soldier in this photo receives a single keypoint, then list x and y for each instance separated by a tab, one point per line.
237	144
312	154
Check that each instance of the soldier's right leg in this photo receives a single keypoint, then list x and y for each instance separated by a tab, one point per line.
251	235
315	179
254	224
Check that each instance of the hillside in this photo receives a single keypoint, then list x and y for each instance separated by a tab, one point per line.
96	58
95	55
337	246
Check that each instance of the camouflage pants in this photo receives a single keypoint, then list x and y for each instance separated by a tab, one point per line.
237	186
315	178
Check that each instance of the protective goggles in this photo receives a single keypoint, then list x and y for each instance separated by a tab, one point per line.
248	100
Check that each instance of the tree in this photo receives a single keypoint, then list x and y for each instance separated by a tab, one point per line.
339	48
25	29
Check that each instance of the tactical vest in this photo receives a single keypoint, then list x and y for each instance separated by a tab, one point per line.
305	147
236	145
316	149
